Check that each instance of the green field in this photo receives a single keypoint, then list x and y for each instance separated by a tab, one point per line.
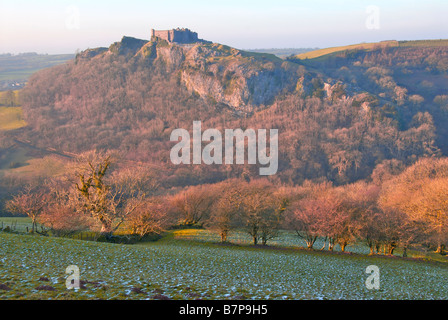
20	67
11	118
191	264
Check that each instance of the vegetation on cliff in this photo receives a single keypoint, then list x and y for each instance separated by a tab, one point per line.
338	118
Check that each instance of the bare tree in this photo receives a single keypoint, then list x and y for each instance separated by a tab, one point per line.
31	201
226	209
307	218
272	218
420	192
149	218
261	211
194	204
108	201
368	229
356	199
62	219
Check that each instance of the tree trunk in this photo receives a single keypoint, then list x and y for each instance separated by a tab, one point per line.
331	243
441	249
441	246
223	236
106	229
390	250
33	226
255	239
310	242
325	243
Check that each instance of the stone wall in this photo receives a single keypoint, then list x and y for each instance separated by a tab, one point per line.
176	35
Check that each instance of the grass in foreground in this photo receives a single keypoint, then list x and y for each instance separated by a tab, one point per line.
184	269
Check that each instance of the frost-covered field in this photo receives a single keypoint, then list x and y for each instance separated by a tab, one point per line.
180	269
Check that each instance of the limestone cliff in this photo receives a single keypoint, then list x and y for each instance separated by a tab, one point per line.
238	79
243	81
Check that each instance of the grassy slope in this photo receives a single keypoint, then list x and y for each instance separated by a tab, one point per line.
38	167
361	46
184	269
370	46
11	118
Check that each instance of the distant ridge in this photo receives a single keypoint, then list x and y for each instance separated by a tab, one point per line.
283	52
372	46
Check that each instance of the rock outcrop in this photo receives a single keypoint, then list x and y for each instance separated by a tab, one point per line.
243	81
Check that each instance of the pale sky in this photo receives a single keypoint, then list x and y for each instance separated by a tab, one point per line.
64	26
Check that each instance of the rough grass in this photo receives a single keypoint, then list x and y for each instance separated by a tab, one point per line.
372	46
361	46
12	158
179	267
48	166
18	224
11	118
424	43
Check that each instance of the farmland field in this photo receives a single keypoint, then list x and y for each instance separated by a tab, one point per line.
186	264
22	66
11	118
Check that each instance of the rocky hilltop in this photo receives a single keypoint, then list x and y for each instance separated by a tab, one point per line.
338	118
242	80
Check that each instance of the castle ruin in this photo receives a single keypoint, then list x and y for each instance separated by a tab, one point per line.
175	35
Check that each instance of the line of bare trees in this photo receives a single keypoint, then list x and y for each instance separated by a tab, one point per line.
398	207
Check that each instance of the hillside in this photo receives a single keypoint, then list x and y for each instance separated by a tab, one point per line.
333	122
412	77
11	118
313	54
361	46
284	52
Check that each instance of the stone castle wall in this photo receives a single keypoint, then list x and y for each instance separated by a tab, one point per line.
176	35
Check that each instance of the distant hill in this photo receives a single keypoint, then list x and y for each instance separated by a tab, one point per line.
312	54
284	52
361	46
16	69
409	76
338	117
